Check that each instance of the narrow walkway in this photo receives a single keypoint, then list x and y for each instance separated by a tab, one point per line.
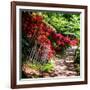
65	67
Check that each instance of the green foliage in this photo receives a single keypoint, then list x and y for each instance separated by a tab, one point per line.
77	56
24	46
47	67
34	66
77	60
65	23
77	68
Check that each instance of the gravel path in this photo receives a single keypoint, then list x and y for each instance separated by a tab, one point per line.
65	68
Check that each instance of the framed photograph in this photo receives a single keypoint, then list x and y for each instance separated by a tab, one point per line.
48	44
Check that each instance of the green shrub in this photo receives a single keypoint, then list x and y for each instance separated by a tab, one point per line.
47	67
64	23
77	61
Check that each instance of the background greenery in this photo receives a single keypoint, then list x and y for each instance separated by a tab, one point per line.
65	23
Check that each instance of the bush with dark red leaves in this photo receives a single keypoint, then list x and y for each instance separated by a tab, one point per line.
34	28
